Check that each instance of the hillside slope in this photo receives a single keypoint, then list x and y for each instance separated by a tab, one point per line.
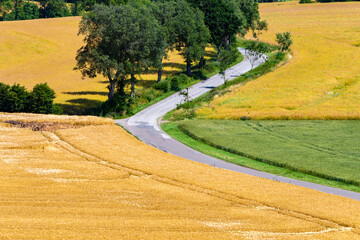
44	50
322	81
94	180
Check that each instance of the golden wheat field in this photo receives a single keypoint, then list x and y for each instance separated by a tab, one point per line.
322	81
96	181
44	50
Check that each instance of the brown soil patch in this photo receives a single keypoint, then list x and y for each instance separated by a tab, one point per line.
41	126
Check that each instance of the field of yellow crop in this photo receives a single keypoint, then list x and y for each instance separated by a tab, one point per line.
99	182
44	50
322	81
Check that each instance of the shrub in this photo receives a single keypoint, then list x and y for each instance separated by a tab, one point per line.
4	95
210	68
18	99
41	99
305	1
120	104
175	84
164	85
183	78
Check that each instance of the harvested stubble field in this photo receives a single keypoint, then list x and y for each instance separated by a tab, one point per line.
322	81
99	182
44	50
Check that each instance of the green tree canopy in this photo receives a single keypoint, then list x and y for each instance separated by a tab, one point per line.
185	29
18	10
53	8
284	40
224	19
120	41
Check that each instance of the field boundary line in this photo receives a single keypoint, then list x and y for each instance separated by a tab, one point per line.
243	201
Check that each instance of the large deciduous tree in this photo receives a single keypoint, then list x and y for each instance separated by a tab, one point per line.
121	42
185	30
222	19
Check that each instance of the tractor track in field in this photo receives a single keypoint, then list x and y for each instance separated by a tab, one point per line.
325	224
145	125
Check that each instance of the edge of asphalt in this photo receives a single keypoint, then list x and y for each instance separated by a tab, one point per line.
161	140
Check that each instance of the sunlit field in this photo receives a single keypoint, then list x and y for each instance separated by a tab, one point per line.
327	149
322	81
44	50
98	182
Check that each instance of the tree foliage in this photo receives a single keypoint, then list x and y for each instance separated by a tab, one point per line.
53	8
284	40
17	99
121	41
185	29
18	10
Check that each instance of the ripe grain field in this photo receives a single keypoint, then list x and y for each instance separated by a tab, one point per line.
44	50
95	181
322	81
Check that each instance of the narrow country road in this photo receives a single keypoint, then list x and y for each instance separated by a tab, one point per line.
145	126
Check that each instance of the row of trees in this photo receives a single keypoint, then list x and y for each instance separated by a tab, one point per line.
125	40
24	10
17	99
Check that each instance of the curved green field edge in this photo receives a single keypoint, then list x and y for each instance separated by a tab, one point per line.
326	149
172	129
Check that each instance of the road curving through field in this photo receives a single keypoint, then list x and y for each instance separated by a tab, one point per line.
145	126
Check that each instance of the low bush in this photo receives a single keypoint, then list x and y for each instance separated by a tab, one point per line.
119	104
17	99
175	84
163	86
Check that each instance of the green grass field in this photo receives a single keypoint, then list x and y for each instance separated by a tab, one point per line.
325	149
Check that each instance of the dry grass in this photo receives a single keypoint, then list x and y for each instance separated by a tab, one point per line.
322	81
44	50
98	182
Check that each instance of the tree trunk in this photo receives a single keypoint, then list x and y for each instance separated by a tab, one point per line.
219	50
160	71
202	59
226	43
111	90
122	86
133	85
188	67
229	44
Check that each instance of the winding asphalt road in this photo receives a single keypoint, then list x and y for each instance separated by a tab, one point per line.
145	126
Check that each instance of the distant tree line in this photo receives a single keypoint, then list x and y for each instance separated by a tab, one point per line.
325	1
17	99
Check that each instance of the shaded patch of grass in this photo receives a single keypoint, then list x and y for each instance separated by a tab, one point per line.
87	93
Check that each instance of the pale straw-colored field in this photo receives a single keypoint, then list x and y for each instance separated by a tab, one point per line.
44	50
99	182
322	81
